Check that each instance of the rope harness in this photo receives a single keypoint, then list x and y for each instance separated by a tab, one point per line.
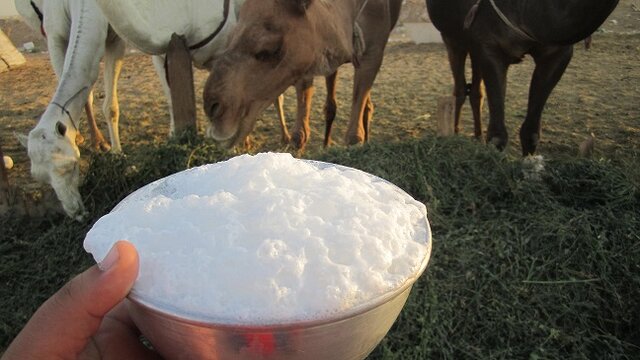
40	17
471	15
203	42
208	39
63	107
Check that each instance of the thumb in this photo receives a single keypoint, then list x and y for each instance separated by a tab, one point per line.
63	325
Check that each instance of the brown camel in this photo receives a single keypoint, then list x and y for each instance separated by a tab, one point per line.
280	43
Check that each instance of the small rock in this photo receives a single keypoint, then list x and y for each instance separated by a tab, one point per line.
8	162
29	46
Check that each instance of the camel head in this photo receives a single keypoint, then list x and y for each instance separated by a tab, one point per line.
272	46
54	156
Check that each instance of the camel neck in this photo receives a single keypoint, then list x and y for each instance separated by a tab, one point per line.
334	22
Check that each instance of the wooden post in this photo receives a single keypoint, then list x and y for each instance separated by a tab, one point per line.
4	185
180	77
446	115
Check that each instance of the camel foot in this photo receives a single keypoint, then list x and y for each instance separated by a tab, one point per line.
248	143
498	142
299	139
529	143
102	147
286	139
355	140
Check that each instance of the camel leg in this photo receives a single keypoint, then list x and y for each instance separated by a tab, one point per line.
367	115
363	79
301	130
286	138
457	57
278	104
97	139
476	97
158	63
494	72
113	55
550	66
330	107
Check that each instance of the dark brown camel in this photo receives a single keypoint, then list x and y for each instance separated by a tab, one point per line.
498	33
279	43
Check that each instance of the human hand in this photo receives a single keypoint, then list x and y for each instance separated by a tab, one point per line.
87	319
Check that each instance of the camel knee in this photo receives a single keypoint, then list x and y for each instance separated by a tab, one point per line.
111	112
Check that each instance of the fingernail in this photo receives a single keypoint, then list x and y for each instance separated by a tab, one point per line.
109	260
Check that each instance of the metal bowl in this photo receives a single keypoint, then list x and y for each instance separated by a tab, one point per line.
350	335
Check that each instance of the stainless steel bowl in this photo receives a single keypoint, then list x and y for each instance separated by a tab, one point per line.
350	335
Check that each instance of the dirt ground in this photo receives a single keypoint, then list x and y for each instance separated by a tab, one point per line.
599	94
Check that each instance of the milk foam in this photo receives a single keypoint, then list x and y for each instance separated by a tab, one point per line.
267	239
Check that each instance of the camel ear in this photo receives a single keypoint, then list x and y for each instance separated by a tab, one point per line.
22	139
299	6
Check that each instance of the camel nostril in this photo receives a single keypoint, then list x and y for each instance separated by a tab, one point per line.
214	110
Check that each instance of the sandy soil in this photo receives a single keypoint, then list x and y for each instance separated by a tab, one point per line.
599	93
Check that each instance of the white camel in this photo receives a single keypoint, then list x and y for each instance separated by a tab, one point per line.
205	24
78	35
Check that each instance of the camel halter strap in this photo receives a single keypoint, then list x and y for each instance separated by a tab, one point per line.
40	17
64	106
471	15
206	40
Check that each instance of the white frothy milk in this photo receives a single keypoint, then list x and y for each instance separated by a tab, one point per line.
267	239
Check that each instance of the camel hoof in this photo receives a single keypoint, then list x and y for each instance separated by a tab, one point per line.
355	140
499	143
104	147
248	143
286	139
529	143
299	140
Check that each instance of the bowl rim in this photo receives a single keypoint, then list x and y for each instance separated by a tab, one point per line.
201	320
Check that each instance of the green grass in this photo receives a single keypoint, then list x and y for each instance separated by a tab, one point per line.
520	268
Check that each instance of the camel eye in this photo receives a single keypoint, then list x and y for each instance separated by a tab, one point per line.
268	55
61	128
